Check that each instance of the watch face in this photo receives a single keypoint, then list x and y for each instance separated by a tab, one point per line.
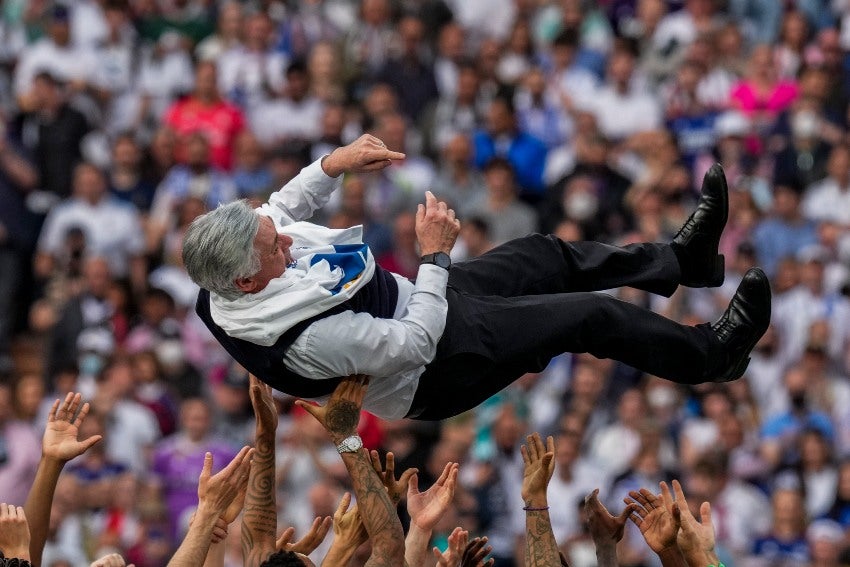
443	260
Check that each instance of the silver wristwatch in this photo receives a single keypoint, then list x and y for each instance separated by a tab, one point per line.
350	444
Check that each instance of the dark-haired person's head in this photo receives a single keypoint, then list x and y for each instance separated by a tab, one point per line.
499	178
501	119
287	559
297	80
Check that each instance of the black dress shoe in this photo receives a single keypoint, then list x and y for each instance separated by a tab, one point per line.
696	242
742	325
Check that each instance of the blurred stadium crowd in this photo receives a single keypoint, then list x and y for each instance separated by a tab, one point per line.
125	119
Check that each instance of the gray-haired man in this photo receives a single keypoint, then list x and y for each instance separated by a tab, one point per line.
300	305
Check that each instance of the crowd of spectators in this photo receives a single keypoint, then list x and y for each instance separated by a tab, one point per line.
123	120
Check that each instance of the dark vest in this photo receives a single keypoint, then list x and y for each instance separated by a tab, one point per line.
378	298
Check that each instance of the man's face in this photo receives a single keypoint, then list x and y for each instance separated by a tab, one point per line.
273	248
305	559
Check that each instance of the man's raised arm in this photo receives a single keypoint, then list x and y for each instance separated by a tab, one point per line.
340	418
311	189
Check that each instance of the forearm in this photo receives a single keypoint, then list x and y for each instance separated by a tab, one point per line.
39	502
259	522
20	172
541	549
416	546
672	557
308	192
215	555
376	508
196	544
699	558
606	556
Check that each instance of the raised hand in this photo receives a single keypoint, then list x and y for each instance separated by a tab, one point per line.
395	487
605	529
349	533
659	527
539	464
60	441
426	508
311	540
453	554
696	538
218	492
262	401
436	226
348	525
366	153
341	414
475	552
14	532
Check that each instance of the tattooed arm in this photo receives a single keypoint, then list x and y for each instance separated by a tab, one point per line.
259	523
340	418
541	549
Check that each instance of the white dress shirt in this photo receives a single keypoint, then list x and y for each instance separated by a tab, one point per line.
392	351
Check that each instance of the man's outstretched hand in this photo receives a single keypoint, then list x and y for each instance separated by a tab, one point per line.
341	414
366	153
60	441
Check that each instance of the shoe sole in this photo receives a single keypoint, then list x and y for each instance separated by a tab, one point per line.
738	371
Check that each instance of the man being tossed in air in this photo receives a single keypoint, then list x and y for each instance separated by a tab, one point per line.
300	305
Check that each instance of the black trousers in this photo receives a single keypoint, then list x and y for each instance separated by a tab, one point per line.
513	309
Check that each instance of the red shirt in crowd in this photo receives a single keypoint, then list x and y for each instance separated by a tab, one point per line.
220	121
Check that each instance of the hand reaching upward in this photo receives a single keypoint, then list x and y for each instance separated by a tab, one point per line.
539	467
426	508
605	529
395	487
659	526
60	441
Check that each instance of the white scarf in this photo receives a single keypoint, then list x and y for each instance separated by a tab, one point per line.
330	266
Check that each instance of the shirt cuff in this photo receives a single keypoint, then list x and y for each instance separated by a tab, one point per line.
314	173
433	279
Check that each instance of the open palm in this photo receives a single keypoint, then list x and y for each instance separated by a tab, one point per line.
659	526
63	427
694	536
426	508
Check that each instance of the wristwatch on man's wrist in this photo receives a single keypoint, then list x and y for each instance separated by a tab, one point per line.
350	444
440	259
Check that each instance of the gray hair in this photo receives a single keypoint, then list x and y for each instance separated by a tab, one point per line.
218	248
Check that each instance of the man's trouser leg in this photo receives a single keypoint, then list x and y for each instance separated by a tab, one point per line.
491	341
539	264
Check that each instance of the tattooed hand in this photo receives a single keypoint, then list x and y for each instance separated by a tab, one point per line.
341	414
